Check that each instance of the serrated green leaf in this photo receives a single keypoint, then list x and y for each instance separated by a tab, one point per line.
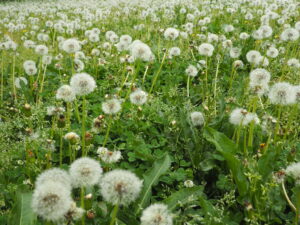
151	178
183	196
227	148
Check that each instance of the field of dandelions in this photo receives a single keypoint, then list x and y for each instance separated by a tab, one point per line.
121	112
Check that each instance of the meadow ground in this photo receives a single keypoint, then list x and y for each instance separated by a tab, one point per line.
150	112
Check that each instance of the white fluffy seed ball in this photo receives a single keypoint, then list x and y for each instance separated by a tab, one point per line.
120	187
197	118
82	84
51	201
54	175
156	214
85	172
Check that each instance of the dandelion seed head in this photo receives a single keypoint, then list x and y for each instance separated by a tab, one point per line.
85	172
51	201
120	187
82	84
156	214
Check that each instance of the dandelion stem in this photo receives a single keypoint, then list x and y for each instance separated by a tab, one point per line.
134	76
287	197
42	86
83	126
60	146
145	73
13	78
114	214
188	86
2	76
68	116
215	86
156	75
278	123
232	75
107	131
77	111
251	129
82	204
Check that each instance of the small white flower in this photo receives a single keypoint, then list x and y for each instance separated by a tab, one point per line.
109	156
189	183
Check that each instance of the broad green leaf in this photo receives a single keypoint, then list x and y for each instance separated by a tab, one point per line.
183	196
266	162
127	217
227	148
208	208
151	178
24	213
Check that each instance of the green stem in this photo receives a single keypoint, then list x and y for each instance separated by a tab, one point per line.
287	197
144	76
107	131
114	214
215	87
206	77
68	116
188	86
232	75
134	76
60	146
77	111
83	126
2	76
278	123
156	75
238	134
82	204
42	86
251	129
245	142
13	78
